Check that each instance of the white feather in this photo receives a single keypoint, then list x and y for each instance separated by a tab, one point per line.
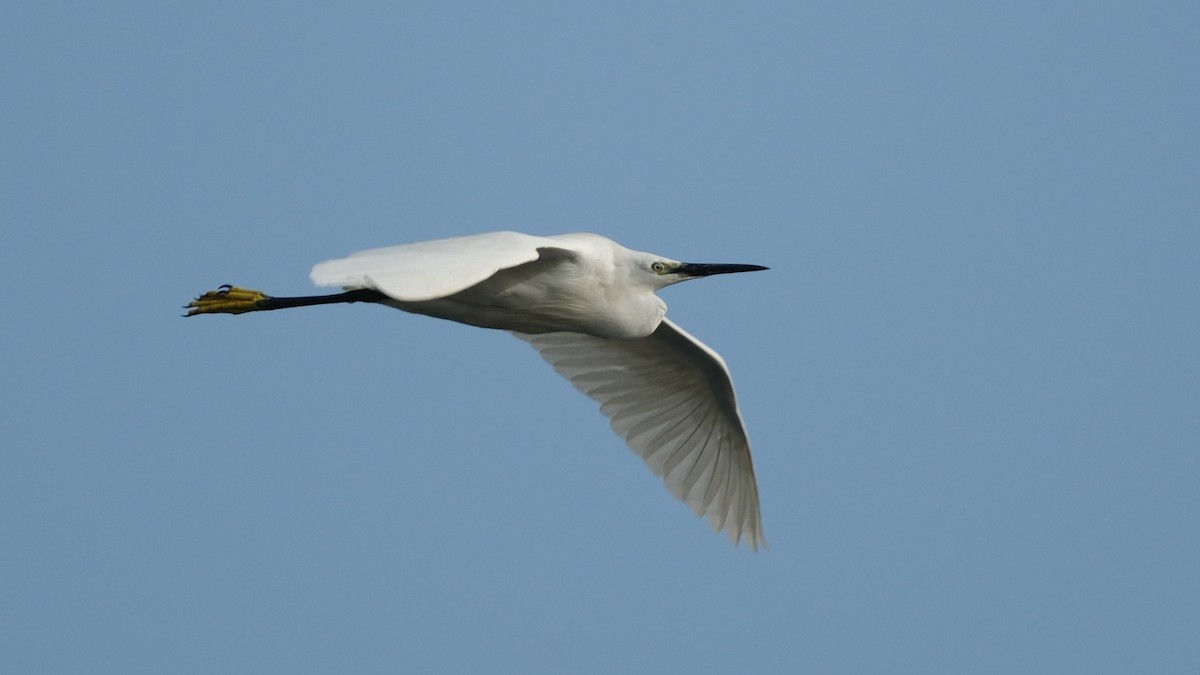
431	269
671	398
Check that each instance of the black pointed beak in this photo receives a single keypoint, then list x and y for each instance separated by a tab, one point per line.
709	269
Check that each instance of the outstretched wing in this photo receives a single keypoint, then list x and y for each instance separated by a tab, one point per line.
671	398
431	269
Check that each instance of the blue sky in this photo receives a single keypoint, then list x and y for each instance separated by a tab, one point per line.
971	376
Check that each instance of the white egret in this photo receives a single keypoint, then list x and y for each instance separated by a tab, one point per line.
588	306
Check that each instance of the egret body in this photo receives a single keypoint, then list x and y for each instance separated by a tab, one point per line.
589	306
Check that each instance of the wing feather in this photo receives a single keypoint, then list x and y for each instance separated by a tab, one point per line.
432	269
671	398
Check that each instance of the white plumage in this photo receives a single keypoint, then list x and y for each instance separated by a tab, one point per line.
430	269
589	306
671	398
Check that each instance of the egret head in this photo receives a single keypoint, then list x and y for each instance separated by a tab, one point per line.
667	272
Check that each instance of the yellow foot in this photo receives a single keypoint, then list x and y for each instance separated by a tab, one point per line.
226	300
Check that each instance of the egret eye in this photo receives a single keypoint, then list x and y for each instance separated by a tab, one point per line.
658	267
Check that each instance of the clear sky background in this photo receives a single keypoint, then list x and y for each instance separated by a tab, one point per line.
971	376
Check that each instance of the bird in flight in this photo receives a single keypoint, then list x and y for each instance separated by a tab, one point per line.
589	306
